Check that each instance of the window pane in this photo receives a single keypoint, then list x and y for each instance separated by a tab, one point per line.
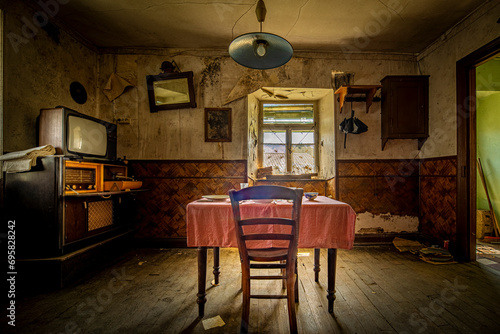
288	114
274	145
303	159
302	137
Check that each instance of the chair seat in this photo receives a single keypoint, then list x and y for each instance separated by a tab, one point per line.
268	254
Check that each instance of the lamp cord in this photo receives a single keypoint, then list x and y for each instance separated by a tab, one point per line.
234	25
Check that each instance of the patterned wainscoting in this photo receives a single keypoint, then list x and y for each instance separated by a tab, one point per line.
438	198
424	188
379	186
172	185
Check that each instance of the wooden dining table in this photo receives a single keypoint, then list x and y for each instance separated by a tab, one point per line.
324	223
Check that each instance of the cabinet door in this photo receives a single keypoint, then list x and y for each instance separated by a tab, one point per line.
75	220
408	113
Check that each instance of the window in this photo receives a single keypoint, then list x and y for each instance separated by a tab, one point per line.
288	138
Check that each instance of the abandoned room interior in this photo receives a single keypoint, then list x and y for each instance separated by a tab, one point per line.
126	124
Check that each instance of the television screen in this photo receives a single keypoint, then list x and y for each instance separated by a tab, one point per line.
86	136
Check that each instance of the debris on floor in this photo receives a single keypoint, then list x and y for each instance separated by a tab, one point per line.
487	251
404	245
213	322
436	255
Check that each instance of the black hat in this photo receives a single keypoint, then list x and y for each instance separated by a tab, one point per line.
166	65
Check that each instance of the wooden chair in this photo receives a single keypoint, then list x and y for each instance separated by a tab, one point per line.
282	257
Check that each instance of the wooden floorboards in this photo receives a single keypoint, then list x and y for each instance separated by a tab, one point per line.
379	290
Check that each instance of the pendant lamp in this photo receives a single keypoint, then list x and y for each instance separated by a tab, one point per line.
260	50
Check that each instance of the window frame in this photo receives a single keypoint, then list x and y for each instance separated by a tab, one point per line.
288	128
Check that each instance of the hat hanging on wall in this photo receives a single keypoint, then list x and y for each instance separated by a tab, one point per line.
260	50
78	92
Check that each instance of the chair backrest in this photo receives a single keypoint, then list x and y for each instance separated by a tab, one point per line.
288	232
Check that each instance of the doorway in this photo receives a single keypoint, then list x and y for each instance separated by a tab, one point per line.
487	148
466	148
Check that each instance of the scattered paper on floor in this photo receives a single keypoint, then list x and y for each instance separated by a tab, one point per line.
213	322
404	245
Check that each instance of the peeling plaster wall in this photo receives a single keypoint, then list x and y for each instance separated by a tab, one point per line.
253	135
387	222
171	134
37	74
327	137
179	134
439	61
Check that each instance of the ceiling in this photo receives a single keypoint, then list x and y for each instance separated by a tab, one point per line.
401	26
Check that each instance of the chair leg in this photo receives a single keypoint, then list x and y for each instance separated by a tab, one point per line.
292	317
245	308
296	286
283	272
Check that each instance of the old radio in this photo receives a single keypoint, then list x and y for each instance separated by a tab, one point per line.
82	177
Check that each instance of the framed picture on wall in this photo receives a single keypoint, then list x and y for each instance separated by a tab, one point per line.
217	124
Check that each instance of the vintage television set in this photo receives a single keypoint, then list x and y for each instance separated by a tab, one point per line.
77	135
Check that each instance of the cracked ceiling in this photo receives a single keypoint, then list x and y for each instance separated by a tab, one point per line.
391	26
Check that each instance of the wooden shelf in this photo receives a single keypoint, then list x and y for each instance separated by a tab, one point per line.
367	92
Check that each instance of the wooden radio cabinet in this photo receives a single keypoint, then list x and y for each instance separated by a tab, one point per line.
60	206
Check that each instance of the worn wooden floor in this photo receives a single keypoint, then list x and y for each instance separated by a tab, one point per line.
379	290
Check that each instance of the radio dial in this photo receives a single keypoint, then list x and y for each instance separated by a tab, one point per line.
74	186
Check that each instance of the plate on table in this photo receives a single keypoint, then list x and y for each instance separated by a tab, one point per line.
216	197
262	200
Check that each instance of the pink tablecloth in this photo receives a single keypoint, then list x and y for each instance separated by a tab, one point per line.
325	223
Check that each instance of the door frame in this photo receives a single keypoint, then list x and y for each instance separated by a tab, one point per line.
466	148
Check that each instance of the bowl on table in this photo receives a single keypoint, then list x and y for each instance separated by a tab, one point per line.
311	195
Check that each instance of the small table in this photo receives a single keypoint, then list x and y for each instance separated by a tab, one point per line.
325	223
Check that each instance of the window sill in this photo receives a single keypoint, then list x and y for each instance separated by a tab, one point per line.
290	177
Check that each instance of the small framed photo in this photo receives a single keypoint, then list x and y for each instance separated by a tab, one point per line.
217	124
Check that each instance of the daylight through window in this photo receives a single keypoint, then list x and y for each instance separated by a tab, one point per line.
288	141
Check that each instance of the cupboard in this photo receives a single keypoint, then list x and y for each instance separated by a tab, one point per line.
405	108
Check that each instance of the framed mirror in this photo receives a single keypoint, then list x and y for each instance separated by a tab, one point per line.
170	91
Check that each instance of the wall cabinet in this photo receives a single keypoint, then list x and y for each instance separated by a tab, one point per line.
405	108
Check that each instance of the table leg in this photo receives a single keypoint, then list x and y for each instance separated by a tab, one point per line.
216	265
316	264
202	278
332	264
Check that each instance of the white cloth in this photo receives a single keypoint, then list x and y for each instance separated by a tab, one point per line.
22	161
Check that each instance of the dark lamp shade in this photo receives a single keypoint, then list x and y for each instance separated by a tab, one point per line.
243	50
